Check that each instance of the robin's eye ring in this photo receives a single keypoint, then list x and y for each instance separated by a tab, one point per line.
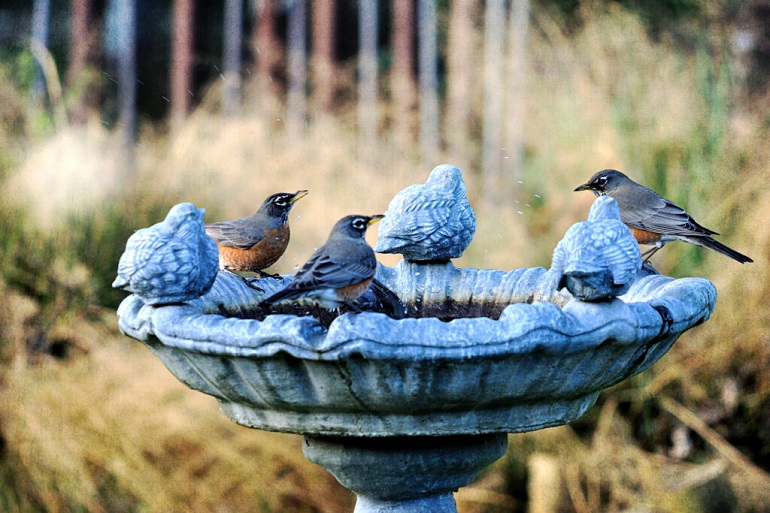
359	224
281	202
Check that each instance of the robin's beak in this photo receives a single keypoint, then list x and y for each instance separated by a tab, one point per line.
298	195
374	219
584	187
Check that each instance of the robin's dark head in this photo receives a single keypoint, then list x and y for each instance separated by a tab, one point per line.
354	227
604	182
279	204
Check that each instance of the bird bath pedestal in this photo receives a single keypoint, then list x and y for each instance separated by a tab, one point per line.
404	411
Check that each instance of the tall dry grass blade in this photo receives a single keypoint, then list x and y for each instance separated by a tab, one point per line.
715	440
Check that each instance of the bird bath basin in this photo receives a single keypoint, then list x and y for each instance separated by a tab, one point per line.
405	411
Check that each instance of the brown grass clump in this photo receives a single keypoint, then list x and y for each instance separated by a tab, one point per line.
116	432
103	426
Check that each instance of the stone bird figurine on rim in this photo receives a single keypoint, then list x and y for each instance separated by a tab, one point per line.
599	257
171	261
431	221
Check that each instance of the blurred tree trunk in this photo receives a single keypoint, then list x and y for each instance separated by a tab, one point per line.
233	34
517	88
181	61
428	64
126	48
493	186
402	77
41	10
83	53
324	32
268	51
297	64
367	79
460	73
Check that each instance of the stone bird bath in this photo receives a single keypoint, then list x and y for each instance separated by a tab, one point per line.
404	411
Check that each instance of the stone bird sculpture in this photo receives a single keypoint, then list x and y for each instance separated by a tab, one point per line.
171	261
597	258
429	222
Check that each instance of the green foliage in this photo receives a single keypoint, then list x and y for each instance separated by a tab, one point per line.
98	239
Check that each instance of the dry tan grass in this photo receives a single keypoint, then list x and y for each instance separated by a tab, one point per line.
114	431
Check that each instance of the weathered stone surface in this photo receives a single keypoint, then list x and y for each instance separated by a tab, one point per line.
598	258
431	221
171	261
538	365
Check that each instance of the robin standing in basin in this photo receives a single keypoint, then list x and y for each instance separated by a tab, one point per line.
653	219
339	271
256	242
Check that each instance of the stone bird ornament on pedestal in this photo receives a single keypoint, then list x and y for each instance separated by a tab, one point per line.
429	222
597	258
171	261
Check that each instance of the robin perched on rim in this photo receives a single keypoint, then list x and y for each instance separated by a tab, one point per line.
653	219
339	271
256	242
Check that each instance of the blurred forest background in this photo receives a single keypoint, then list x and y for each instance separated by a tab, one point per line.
112	111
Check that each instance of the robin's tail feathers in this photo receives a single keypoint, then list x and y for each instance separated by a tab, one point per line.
708	242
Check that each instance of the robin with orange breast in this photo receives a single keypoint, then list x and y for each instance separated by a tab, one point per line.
653	219
339	271
256	242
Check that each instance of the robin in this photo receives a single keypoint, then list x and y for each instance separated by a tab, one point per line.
653	220
256	242
339	271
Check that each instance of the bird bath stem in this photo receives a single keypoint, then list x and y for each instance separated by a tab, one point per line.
414	474
406	411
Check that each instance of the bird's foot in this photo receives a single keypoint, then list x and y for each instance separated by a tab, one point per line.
250	283
263	274
352	307
648	254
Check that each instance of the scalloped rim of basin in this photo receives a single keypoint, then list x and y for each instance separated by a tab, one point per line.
538	365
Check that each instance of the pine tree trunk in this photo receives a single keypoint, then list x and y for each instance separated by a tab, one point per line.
462	46
428	68
268	52
517	87
297	70
324	32
83	52
367	79
41	11
126	16
492	149
233	35
402	76
181	60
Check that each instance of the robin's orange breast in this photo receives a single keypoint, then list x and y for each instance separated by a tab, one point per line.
352	292
260	256
644	236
